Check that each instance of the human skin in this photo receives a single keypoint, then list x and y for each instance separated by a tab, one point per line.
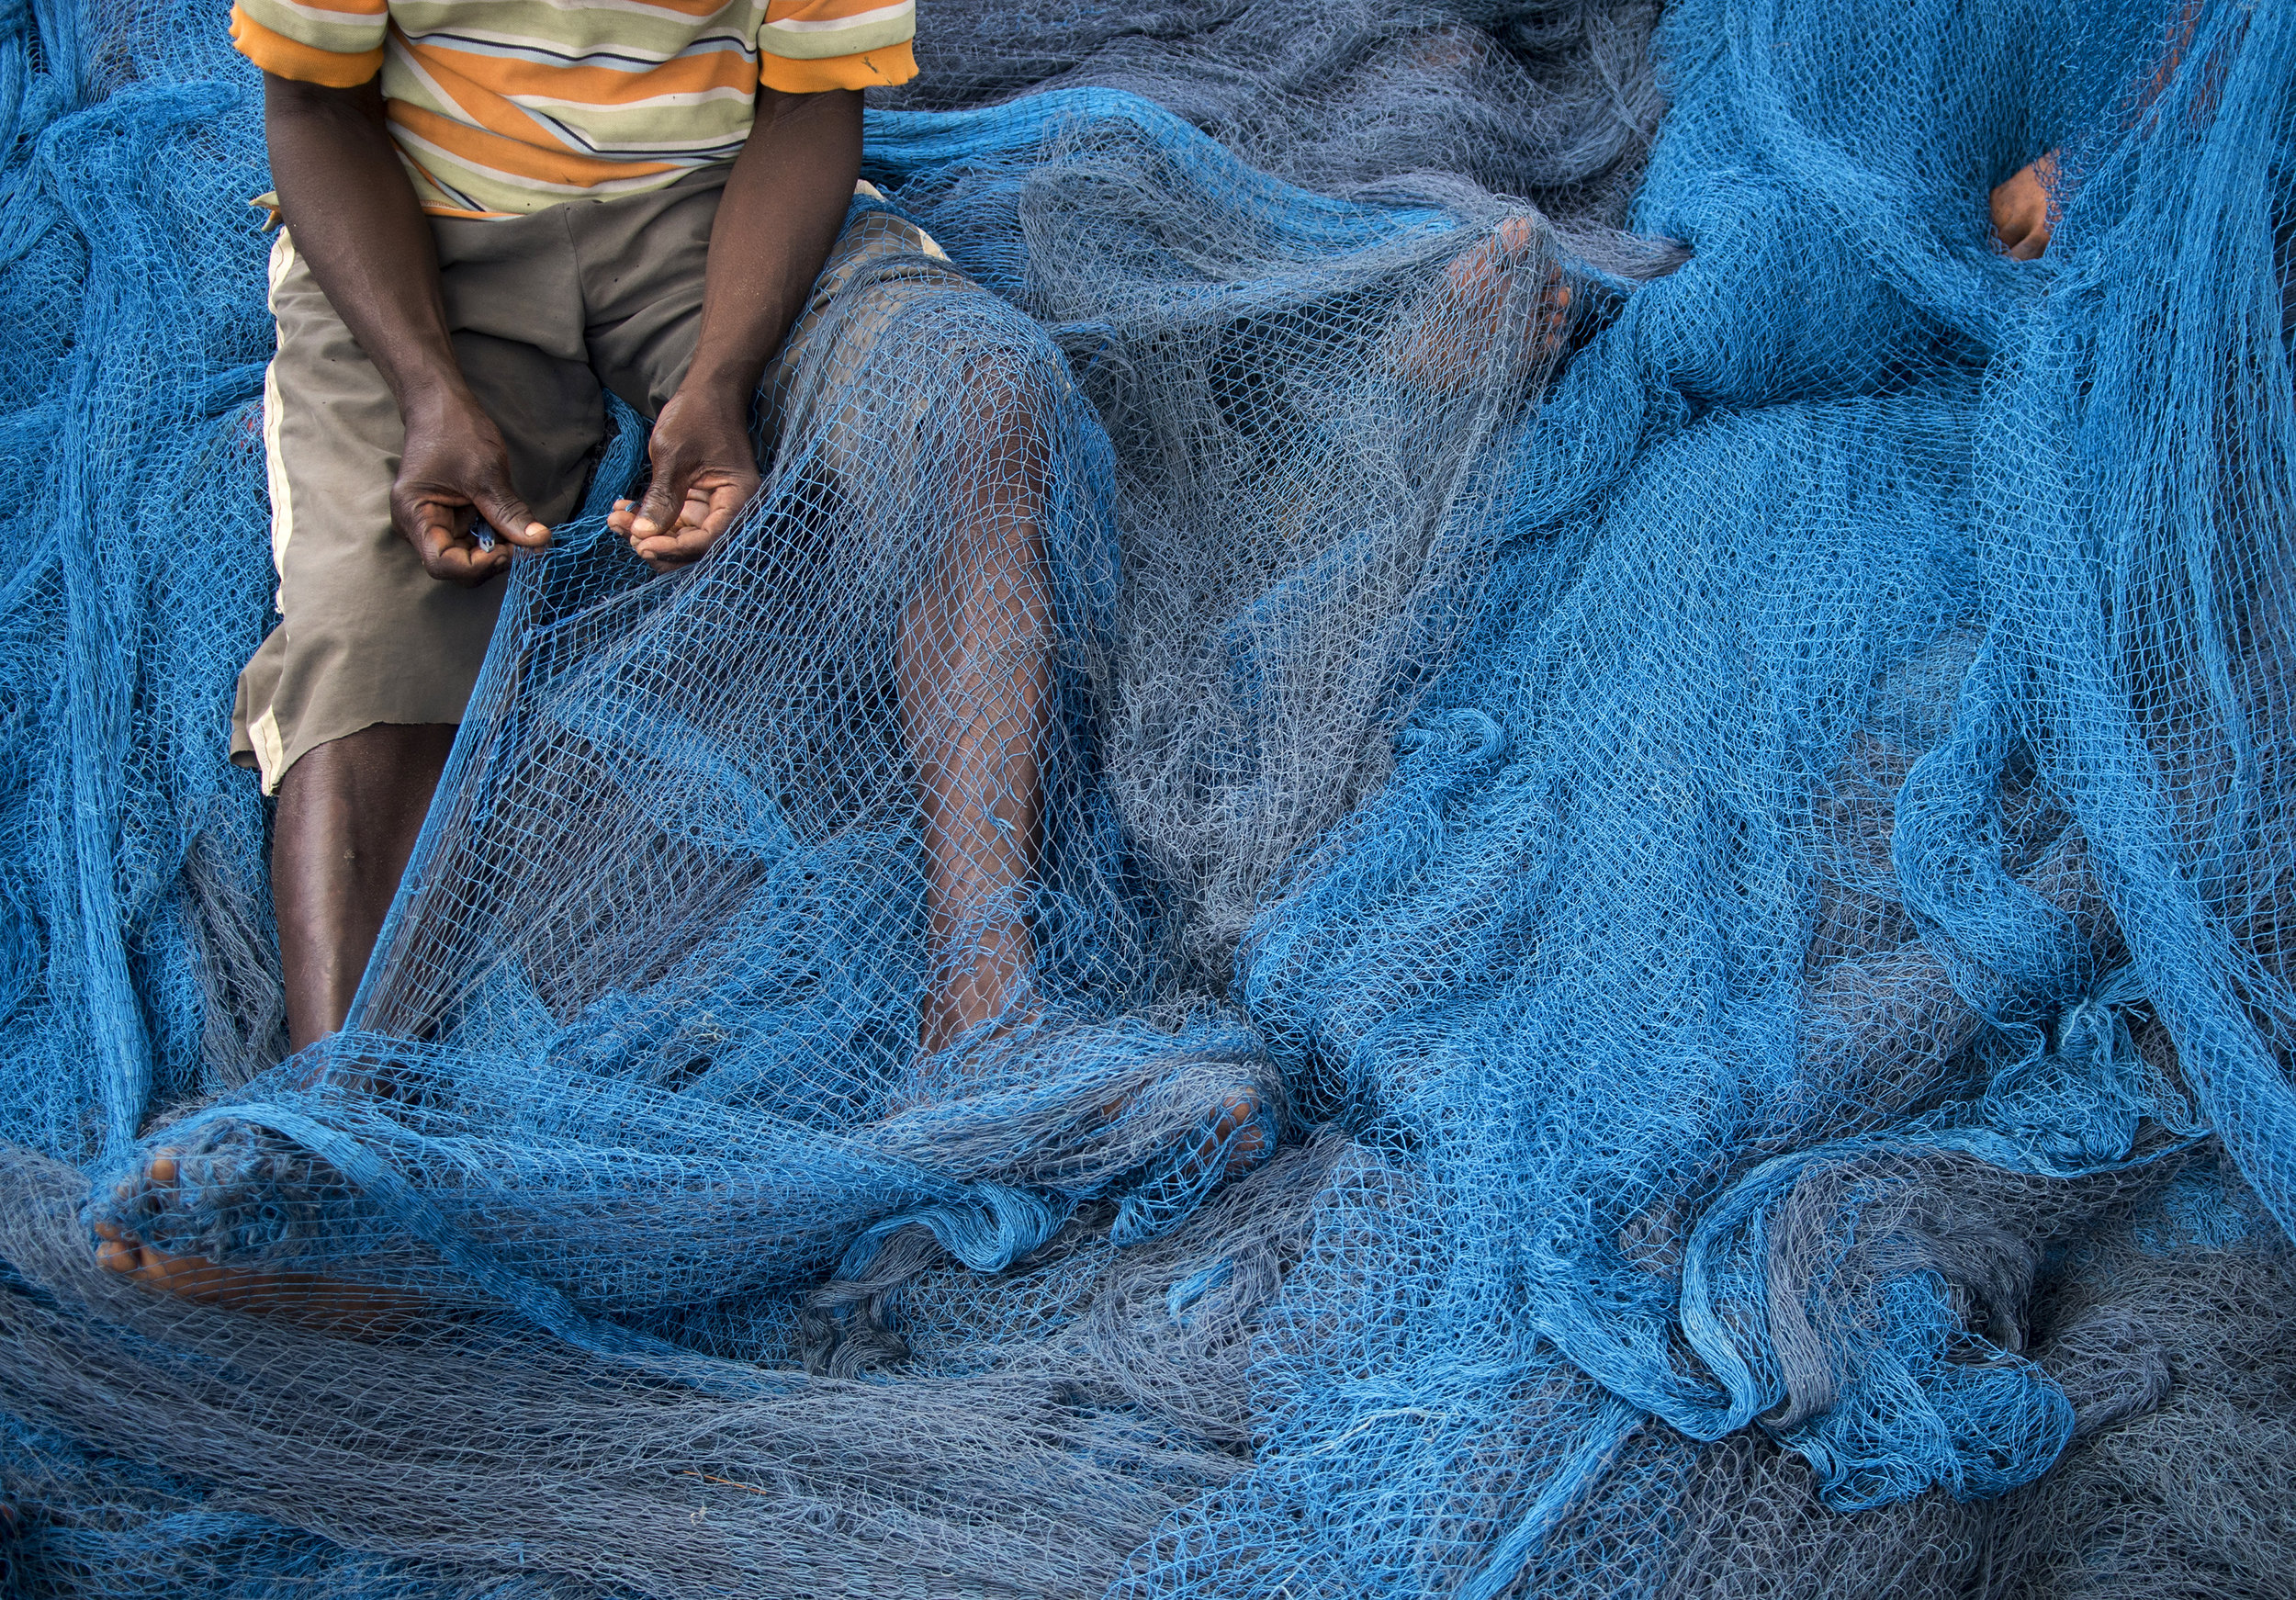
345	194
783	204
346	199
348	810
973	665
2021	209
2020	205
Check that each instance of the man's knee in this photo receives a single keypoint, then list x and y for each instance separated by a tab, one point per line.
1008	391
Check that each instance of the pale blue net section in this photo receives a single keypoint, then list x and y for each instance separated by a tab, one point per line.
1661	926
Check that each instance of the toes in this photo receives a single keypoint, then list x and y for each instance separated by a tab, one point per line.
148	1204
146	1190
1235	1111
1236	1130
133	1259
127	1255
1246	1149
188	1276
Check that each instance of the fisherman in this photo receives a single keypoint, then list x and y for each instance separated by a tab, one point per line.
491	212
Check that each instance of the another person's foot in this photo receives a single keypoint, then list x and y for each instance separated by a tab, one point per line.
155	1202
1236	1136
1457	327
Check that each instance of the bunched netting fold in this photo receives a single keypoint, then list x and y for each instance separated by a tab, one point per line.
1636	828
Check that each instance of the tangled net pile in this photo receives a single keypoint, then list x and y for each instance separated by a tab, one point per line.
1661	918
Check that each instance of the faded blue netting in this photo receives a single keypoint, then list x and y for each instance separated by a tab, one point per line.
1656	932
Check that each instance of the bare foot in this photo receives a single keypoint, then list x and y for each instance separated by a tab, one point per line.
159	1194
1241	1131
1460	323
1235	1136
2021	209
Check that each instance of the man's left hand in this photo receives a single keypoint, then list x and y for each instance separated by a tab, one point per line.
704	474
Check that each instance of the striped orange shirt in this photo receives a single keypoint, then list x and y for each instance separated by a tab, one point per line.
504	107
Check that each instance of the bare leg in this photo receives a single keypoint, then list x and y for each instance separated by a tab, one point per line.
976	708
975	692
349	813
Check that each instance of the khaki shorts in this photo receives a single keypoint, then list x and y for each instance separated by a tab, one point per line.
547	312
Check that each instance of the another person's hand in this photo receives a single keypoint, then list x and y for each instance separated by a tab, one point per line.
2021	209
704	472
453	471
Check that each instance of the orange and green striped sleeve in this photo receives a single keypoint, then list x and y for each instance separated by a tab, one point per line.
804	46
335	42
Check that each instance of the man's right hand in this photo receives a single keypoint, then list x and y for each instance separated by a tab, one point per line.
453	471
345	196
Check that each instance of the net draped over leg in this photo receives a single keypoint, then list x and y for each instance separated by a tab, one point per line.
1613	897
815	835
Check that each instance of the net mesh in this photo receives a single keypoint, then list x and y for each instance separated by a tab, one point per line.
1472	820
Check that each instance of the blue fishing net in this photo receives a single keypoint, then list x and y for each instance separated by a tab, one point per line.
1655	923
